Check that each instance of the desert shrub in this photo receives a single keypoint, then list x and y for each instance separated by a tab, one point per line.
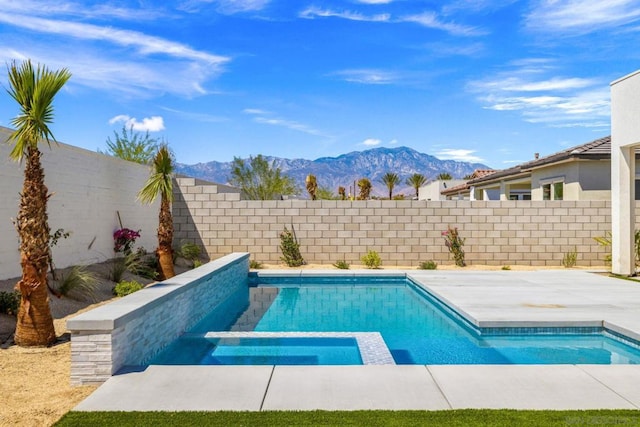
341	264
290	249
78	283
197	263
428	265
606	242
9	302
124	288
117	268
142	264
454	243
506	267
371	259
256	265
570	258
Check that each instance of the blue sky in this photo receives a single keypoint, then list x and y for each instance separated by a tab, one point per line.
489	81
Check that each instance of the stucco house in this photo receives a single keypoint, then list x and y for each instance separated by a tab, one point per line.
577	173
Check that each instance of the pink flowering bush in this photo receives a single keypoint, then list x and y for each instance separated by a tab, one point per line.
123	240
454	243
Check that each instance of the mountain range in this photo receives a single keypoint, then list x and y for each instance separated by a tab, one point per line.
332	172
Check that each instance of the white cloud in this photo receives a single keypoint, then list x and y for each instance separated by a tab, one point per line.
227	7
268	118
100	62
368	76
148	124
431	20
459	154
371	142
581	16
315	12
393	142
556	101
98	11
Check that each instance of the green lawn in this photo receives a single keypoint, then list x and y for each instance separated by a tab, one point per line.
467	417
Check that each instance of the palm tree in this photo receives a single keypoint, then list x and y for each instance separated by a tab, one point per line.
390	180
444	176
416	181
342	193
312	185
160	183
34	90
365	188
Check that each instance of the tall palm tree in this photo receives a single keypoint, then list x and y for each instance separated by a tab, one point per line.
34	90
365	188
312	186
444	176
160	183
390	179
416	181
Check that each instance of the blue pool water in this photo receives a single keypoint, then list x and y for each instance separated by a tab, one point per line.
416	328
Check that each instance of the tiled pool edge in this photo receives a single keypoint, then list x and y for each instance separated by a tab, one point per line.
372	347
132	329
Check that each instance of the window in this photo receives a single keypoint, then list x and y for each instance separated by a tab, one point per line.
553	190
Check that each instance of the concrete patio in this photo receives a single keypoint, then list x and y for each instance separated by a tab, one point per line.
485	298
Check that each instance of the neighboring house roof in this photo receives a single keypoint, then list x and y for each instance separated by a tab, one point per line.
478	173
599	149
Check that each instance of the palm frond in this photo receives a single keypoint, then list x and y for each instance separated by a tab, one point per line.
34	91
160	181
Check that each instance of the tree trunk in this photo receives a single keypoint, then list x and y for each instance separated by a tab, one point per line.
165	240
34	323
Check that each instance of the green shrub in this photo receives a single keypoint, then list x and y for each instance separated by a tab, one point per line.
290	249
570	258
371	259
197	263
256	265
125	288
142	264
9	302
606	242
506	267
341	264
78	283
428	265
117	268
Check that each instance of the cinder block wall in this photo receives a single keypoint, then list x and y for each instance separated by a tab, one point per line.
88	190
536	233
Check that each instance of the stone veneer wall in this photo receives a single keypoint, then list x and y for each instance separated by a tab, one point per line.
536	233
131	330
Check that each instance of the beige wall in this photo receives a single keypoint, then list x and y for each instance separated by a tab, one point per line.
404	232
88	189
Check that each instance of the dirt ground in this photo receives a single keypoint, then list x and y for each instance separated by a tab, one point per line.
35	389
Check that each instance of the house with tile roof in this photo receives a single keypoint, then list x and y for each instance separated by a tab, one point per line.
577	173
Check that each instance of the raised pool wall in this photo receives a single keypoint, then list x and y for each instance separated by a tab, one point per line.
403	232
129	331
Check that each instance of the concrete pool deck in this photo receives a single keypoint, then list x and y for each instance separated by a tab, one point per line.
486	298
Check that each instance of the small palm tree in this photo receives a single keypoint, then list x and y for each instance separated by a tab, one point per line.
34	90
342	193
444	176
160	183
365	188
416	181
390	180
312	186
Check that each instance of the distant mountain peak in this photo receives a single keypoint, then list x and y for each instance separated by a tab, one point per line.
343	170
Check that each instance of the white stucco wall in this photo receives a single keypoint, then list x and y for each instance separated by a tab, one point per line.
89	189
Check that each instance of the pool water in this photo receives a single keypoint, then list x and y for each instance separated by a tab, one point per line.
416	328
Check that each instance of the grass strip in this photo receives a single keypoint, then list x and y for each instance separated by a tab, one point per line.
464	417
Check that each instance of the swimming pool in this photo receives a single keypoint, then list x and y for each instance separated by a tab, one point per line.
415	328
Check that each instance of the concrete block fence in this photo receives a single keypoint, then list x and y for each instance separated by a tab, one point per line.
131	330
404	233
